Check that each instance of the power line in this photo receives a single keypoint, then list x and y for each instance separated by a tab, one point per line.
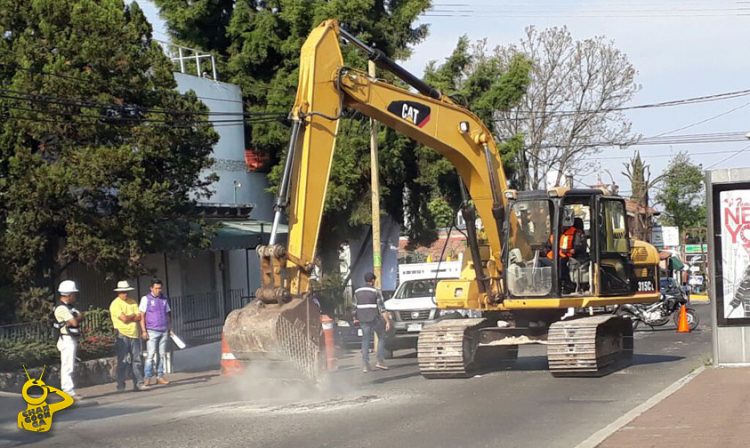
669	103
704	121
125	107
630	10
738	152
89	80
659	156
719	137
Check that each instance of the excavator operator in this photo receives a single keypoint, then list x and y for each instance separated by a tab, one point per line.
572	239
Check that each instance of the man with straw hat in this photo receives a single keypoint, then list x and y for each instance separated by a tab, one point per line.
125	317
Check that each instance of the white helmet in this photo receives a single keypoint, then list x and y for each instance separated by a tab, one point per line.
67	287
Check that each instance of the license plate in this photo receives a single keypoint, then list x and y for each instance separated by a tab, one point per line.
359	332
414	327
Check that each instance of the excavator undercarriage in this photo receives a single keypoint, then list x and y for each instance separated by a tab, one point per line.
585	346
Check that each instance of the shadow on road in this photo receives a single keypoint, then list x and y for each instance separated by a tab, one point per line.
388	379
669	328
539	363
194	380
100	412
642	359
156	389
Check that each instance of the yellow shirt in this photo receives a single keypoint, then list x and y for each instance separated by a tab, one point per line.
127	307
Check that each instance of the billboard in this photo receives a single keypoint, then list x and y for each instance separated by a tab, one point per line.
733	254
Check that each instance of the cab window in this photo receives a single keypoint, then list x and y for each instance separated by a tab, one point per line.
614	238
530	239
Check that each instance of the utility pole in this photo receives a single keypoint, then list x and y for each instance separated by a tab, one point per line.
375	188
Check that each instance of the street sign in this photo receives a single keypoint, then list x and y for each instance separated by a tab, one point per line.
671	235
696	249
665	236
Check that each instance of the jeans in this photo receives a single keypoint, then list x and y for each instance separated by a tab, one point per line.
156	338
378	326
128	360
68	347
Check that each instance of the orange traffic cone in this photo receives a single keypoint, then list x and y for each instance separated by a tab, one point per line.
230	365
683	326
327	323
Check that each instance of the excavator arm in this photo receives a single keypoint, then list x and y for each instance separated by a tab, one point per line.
282	324
326	86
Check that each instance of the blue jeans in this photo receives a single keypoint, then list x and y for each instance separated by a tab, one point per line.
128	360
377	326
155	338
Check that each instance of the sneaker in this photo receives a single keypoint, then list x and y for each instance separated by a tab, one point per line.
381	366
162	380
366	369
148	382
75	397
140	387
120	387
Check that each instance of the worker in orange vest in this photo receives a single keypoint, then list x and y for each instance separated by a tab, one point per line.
570	239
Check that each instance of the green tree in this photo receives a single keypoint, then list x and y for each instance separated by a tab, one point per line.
683	196
261	55
101	159
486	85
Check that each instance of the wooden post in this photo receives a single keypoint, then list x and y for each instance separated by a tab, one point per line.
375	189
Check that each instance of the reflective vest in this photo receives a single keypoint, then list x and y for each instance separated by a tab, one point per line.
367	304
60	325
566	242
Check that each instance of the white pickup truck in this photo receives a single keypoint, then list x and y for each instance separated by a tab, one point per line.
412	306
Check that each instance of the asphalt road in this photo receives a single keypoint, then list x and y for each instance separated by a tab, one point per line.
518	407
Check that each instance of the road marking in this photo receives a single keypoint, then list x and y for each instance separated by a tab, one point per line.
600	436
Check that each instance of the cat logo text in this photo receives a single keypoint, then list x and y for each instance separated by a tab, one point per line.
410	111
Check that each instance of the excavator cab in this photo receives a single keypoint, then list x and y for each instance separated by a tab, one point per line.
568	243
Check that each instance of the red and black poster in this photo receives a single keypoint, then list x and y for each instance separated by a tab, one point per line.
732	252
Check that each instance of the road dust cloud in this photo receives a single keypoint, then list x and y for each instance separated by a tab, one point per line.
280	382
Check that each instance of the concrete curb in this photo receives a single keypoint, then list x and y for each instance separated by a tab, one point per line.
87	373
600	436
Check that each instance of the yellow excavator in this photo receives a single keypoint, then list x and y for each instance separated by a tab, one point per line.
522	275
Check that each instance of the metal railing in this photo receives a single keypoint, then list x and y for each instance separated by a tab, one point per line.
43	331
29	331
199	318
185	58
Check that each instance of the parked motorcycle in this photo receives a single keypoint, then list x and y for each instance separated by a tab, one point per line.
659	313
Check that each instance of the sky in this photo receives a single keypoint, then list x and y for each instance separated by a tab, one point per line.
681	49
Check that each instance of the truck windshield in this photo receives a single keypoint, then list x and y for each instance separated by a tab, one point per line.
416	288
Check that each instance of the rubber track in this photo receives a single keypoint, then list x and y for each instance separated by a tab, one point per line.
446	349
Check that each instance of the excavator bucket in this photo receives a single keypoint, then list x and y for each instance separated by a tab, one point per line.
277	336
